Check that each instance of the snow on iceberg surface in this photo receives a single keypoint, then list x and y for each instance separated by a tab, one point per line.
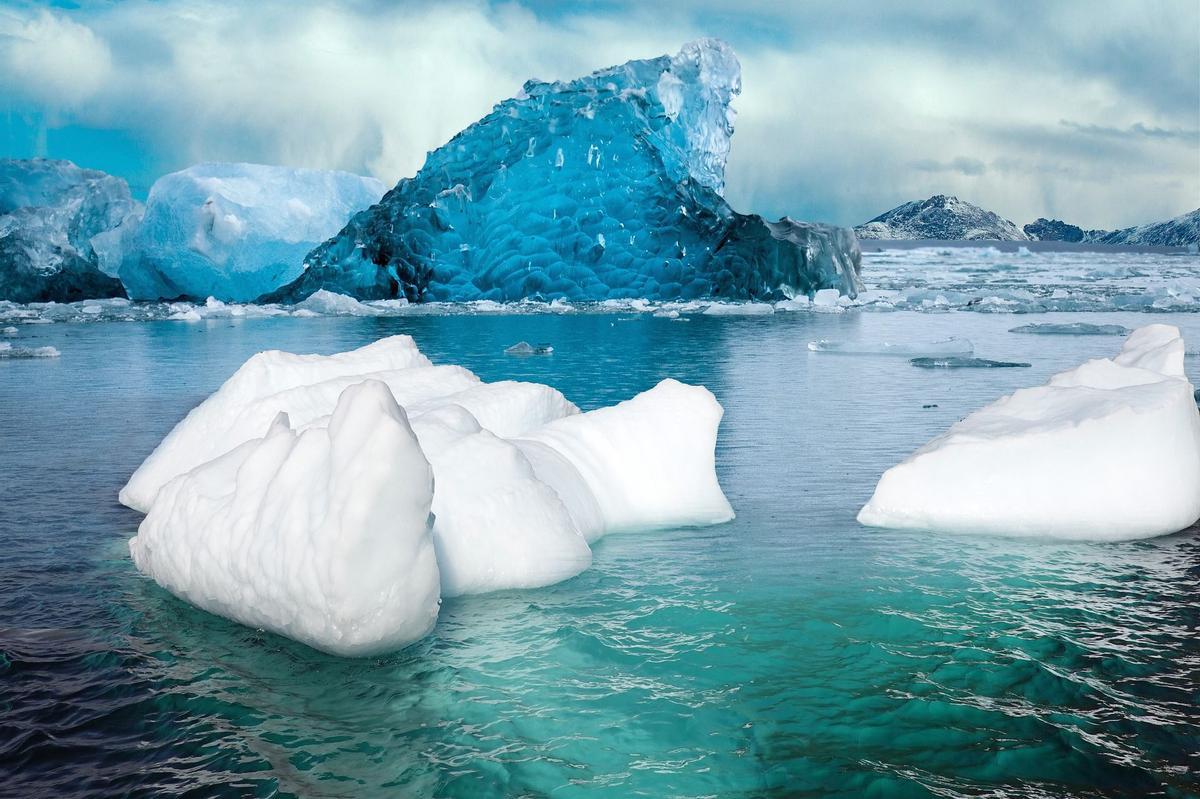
647	462
322	536
273	382
522	482
1109	450
62	231
607	186
237	231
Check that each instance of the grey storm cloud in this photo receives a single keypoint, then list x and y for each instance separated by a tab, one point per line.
1087	111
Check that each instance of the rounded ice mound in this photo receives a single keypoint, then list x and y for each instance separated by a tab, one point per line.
322	536
246	403
496	525
1109	450
645	463
237	231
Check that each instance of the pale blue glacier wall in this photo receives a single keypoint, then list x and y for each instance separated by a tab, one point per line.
237	231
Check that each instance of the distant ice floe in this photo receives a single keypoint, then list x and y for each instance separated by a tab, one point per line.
1109	450
274	504
956	362
1072	329
9	352
946	348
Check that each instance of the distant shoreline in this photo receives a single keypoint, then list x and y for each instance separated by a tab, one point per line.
879	245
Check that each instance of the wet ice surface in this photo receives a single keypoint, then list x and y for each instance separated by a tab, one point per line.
1071	329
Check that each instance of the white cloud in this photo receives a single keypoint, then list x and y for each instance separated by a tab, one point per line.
839	104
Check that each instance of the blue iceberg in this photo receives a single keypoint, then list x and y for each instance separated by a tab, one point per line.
63	231
236	231
607	186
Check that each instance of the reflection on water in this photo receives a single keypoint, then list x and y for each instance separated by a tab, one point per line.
788	652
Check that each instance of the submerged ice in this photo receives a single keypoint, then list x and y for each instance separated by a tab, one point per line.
1109	450
605	186
264	472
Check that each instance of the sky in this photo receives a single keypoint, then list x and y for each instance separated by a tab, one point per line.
1087	110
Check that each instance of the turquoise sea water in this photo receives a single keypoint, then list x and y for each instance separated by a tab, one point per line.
788	653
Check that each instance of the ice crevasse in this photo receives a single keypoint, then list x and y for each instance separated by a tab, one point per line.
1109	450
260	510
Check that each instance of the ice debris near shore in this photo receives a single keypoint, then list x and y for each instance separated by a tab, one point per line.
62	231
237	231
267	530
1109	450
606	186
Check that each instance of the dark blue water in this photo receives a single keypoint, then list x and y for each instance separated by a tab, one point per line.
788	653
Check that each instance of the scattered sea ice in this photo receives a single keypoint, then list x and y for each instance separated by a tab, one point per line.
1072	329
8	351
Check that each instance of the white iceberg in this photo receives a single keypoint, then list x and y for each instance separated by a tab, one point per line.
1109	450
648	462
522	483
322	536
237	231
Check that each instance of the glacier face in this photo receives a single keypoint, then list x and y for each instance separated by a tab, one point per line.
606	186
940	217
237	231
63	230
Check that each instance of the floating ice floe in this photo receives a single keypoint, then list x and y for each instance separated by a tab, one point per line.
522	484
957	362
907	349
525	348
1109	450
1072	329
9	352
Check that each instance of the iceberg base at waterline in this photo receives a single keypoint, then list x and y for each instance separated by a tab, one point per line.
269	503
1107	451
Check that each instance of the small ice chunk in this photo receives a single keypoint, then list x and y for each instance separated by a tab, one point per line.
328	303
525	348
9	331
321	536
8	351
742	308
958	362
960	347
1109	450
1072	329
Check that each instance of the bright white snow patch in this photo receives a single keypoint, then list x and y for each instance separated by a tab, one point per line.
321	536
1109	450
522	483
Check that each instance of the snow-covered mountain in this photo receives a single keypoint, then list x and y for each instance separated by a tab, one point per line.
1178	232
940	217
